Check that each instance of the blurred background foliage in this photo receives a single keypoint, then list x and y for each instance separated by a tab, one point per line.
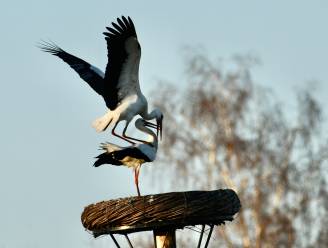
223	130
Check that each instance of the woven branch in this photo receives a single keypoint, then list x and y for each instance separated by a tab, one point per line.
176	210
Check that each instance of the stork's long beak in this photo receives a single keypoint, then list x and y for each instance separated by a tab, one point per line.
159	127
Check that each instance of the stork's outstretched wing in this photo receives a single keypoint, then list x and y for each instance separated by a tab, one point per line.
92	75
121	76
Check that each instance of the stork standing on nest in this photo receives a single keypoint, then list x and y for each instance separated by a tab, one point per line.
132	156
119	85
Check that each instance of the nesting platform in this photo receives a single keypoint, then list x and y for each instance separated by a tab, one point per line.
173	210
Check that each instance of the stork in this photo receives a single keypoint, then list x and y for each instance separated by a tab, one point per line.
119	85
132	156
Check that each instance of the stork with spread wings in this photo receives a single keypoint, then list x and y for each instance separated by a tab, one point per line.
119	85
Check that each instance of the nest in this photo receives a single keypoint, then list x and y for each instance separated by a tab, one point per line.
169	210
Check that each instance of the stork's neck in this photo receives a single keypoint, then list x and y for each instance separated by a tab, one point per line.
153	140
149	116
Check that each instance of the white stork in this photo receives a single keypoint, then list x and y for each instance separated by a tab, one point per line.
119	85
132	156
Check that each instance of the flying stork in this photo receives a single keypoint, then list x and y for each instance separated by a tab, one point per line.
119	85
132	156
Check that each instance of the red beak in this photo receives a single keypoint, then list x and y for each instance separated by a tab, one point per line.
159	127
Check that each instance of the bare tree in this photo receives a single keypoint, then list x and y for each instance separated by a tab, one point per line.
226	131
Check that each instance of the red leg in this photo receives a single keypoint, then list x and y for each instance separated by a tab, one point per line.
136	178
130	138
121	137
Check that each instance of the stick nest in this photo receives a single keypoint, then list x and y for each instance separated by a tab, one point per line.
169	210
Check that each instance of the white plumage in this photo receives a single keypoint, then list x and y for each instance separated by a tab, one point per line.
119	85
132	156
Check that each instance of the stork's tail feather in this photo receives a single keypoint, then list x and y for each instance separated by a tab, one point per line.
109	147
101	123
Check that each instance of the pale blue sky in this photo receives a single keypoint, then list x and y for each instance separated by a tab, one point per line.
47	143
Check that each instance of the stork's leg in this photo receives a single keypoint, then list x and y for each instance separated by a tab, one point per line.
130	138
136	178
121	137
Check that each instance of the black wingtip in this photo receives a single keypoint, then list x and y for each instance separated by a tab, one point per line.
115	31
121	29
97	164
125	21
118	20
101	159
49	47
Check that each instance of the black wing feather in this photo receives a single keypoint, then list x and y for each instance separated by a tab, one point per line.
131	152
119	28
83	68
106	158
128	24
113	31
115	157
125	27
117	55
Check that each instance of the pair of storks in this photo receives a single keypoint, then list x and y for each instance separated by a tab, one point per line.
119	86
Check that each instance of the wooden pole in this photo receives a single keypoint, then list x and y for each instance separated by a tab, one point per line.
165	238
